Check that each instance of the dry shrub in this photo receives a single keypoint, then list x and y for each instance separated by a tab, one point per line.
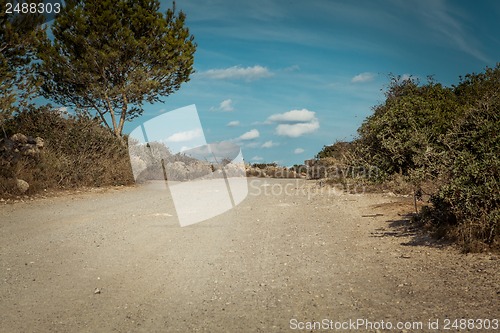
78	152
398	184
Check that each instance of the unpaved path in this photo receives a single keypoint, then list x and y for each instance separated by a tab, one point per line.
274	263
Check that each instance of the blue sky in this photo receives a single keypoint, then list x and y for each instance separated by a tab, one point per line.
284	78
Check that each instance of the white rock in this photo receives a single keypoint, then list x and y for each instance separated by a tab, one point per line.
22	185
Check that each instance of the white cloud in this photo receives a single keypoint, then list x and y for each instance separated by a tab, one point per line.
296	130
293	116
269	144
185	136
252	134
448	23
298	151
226	105
257	158
237	72
294	123
233	123
363	77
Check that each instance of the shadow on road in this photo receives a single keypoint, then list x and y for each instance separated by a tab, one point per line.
413	232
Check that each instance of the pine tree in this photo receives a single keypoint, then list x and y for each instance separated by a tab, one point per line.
18	34
108	57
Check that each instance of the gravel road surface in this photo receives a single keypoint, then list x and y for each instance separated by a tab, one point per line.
116	260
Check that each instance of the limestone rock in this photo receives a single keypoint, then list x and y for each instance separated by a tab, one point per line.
22	186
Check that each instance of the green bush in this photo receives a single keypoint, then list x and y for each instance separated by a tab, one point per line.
340	150
447	136
406	130
471	163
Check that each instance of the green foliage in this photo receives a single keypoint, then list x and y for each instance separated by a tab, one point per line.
471	163
17	47
404	133
449	137
339	150
109	57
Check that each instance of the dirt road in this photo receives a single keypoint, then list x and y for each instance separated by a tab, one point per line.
117	261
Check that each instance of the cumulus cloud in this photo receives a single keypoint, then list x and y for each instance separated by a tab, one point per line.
296	130
233	123
269	144
257	158
363	77
225	106
298	151
293	116
185	136
294	123
238	73
252	134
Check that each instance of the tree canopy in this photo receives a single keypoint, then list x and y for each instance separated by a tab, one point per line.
17	49
108	57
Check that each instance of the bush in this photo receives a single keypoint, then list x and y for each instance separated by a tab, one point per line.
403	131
447	137
263	166
471	162
340	150
77	151
272	170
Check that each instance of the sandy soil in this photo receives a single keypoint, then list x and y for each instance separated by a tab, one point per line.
118	261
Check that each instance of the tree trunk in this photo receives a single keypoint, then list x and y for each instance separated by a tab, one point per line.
123	115
112	114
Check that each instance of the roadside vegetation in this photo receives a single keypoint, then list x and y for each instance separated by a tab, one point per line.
273	170
71	152
440	143
443	143
103	61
